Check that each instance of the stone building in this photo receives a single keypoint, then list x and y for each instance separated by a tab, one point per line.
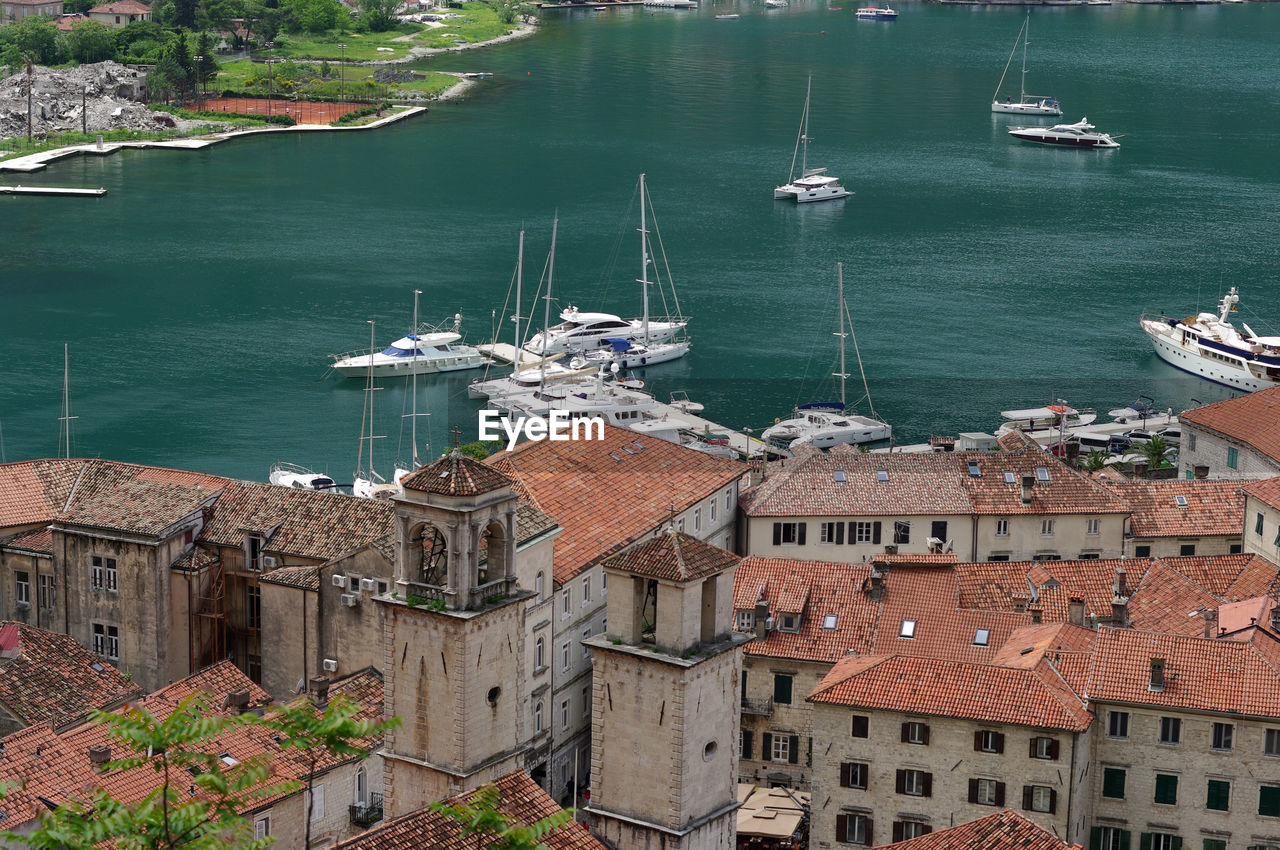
1237	439
606	495
1003	506
1003	830
665	684
120	13
1174	518
12	11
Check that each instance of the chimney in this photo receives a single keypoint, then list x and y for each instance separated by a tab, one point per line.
238	701
1028	481
1120	612
891	548
1119	587
1140	469
1211	622
1037	615
99	756
762	615
1157	675
1020	603
875	583
1200	471
320	691
1075	609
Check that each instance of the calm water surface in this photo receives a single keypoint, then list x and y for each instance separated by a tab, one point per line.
201	297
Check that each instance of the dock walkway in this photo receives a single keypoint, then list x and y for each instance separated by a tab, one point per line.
51	190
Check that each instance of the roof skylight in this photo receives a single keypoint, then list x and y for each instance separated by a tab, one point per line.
829	621
1042	473
908	629
882	475
1010	478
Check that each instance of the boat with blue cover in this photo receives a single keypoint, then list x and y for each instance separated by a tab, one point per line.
425	352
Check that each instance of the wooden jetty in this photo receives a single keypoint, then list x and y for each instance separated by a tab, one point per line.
51	191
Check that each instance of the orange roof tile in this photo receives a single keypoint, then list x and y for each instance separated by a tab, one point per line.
1066	491
1168	601
1006	830
982	692
1215	573
1252	419
607	494
46	676
519	798
456	474
40	540
995	584
1259	577
674	556
139	507
1028	645
1234	616
122	7
1267	490
1212	507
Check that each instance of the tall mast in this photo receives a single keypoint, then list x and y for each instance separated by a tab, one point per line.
413	416
842	374
644	261
546	310
516	317
366	418
1026	37
804	134
64	435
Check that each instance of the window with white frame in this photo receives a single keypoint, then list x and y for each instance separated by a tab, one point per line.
539	657
537	585
711	506
537	716
1112	838
697	520
986	792
564	605
362	787
862	532
45	591
1041	798
728	499
913	783
1092	527
680	525
745	621
831	532
781	748
106	641
853	828
1271	743
1002	528
564	714
102	574
913	829
1222	735
262	827
22	588
1118	724
907	629
1163	841
586	589
564	657
317	803
1046	528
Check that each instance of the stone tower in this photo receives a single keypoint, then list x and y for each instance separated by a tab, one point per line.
665	694
453	635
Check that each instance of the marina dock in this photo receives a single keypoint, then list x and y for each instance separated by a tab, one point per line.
503	352
743	445
51	191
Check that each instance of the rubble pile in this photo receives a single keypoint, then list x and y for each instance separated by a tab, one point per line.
111	95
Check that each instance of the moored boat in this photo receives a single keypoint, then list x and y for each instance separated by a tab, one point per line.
877	13
1077	135
1048	420
813	184
1210	346
420	352
1026	104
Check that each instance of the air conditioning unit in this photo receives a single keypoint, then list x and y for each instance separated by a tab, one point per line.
368	584
339	580
331	665
269	562
351	600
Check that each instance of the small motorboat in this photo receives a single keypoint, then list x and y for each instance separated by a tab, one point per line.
727	17
775	4
680	401
877	13
292	475
1077	135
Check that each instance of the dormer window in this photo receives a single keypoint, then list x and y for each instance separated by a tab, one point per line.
253	553
745	621
790	623
908	629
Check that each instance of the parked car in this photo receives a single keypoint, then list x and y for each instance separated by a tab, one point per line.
1139	435
1119	444
1172	434
1093	443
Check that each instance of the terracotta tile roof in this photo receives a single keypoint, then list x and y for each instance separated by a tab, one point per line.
1252	419
1266	490
301	523
908	559
814	590
303	578
982	692
1066	492
456	474
1029	645
519	798
996	585
67	22
607	494
1215	573
1013	441
122	7
40	540
1167	601
1201	674
139	507
1006	830
1234	616
1259	577
531	522
1212	507
674	556
50	677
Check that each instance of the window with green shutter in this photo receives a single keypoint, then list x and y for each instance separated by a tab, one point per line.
1257	524
1269	801
1113	783
782	688
1108	838
1219	795
746	743
1166	789
1215	844
1233	457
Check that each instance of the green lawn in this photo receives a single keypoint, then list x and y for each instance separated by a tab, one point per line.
348	80
479	22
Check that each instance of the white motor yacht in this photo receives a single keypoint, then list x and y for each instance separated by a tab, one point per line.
422	353
578	331
291	475
615	404
1037	422
813	184
527	380
1210	346
629	355
1077	135
1026	104
877	13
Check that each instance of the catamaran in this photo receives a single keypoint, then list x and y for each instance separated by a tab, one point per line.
814	184
1027	104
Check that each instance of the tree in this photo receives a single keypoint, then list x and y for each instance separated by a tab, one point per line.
90	41
37	38
491	828
1154	450
206	65
184	13
480	449
219	15
379	15
1093	461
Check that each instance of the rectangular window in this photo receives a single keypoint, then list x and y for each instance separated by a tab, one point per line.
712	505
728	499
253	607
45	587
1039	798
317	803
744	744
1092	526
1002	528
861	725
1222	735
745	621
1046	528
782	688
1118	724
106	641
1257	525
586	589
861	532
938	529
902	531
982	637
905	829
586	701
22	589
853	829
1142	551
697	520
1166	789
262	827
788	533
537	716
832	532
539	655
1161	841
915	783
1170	730
853	774
1233	457
781	748
1215	844
1113	783
1109	838
1187	549
1269	801
564	657
1219	796
103	573
907	629
1271	742
564	605
564	714
987	741
915	732
984	792
1044	748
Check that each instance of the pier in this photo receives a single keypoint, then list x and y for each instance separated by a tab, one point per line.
52	191
744	446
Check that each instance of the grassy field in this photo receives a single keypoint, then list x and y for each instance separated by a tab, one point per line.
347	80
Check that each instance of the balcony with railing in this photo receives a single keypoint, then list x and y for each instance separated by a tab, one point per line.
367	814
757	706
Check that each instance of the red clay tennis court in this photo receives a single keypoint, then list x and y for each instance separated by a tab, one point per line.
303	111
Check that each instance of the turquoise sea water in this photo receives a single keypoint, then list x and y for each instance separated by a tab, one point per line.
202	295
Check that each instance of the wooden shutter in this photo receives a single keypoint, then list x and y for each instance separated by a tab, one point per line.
1053	801
777	534
1026	797
973	790
1032	752
1053	748
842	827
839	532
977	741
869	839
925	729
906	734
1000	794
900	782
925	829
897	830
928	785
746	743
875	538
845	770
1095	838
766	746
800	533
1124	839
793	751
1144	841
999	742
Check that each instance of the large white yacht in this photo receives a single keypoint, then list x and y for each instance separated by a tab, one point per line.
1077	135
285	474
616	404
578	331
1210	346
1046	421
813	184
421	353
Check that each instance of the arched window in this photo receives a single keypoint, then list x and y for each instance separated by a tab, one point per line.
433	555
537	716
537	586
539	655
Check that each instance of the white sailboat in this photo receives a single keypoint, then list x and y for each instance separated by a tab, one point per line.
813	184
414	461
1027	104
825	424
647	351
367	482
64	431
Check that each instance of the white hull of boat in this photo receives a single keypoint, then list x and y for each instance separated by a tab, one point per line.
1229	371
398	367
805	196
301	478
636	358
1035	107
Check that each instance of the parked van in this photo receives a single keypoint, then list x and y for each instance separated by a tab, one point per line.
1093	443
